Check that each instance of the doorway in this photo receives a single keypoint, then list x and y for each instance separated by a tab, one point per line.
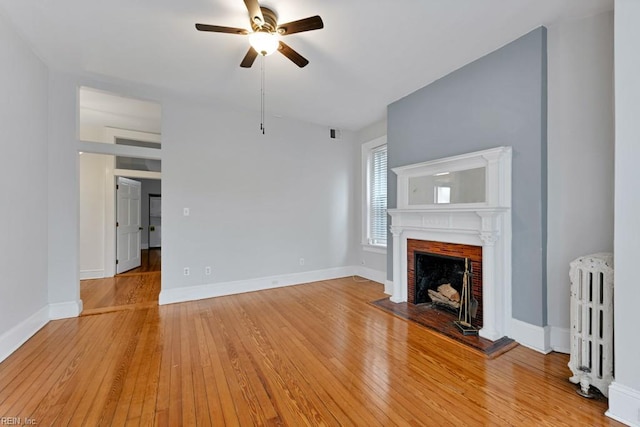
136	281
130	151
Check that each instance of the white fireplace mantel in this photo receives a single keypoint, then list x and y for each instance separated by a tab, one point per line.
486	224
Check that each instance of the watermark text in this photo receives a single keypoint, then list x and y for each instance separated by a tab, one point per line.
17	421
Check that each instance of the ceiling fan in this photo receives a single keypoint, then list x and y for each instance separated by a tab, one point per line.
265	37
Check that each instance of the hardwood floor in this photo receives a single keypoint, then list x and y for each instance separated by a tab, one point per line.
314	354
137	288
150	261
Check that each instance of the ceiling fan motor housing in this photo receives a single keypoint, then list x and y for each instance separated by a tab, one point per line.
270	21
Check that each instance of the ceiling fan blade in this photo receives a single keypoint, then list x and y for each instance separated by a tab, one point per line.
219	29
294	56
255	13
307	24
251	56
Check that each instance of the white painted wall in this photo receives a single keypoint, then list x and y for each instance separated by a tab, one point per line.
92	215
624	394
270	199
63	197
258	203
23	173
580	155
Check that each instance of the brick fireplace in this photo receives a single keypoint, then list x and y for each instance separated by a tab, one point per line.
479	230
449	251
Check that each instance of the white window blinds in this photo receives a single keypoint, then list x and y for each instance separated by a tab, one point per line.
378	196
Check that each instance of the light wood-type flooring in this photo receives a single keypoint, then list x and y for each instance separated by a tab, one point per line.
137	288
313	354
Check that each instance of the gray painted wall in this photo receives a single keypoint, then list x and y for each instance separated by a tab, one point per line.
499	99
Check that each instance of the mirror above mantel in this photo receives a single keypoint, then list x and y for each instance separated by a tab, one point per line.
463	186
469	180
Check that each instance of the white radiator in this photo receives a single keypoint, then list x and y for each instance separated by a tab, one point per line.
591	360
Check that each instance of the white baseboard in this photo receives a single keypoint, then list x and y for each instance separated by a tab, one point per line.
535	337
371	274
65	310
192	293
560	340
624	404
388	287
11	340
91	274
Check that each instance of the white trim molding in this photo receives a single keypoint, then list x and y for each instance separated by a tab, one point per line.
624	404
366	150
65	310
11	340
537	338
388	287
91	274
192	293
486	224
371	274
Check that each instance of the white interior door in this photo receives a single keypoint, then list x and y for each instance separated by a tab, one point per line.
127	224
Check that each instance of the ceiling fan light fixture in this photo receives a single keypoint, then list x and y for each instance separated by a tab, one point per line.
264	42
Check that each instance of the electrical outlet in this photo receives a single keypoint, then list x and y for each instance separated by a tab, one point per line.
185	212
207	270
186	271
301	261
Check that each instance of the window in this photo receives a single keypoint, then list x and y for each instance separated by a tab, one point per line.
374	162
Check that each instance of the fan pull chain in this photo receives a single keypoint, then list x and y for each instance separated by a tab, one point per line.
262	94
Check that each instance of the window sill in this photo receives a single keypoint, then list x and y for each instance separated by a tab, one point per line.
374	249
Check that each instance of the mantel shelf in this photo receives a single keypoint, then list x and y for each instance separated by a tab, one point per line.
449	209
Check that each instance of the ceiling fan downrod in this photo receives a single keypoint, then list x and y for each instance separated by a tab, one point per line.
262	94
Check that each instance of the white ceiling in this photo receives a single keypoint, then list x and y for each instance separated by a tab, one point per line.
368	55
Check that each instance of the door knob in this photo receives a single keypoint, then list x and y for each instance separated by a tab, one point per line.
140	228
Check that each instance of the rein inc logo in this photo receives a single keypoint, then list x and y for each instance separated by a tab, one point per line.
17	421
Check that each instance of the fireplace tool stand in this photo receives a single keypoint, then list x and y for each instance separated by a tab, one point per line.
467	304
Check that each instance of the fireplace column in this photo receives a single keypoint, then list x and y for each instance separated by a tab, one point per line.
491	274
399	287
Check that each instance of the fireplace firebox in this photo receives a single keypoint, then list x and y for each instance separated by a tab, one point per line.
434	272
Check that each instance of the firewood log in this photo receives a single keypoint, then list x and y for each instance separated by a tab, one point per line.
448	291
441	299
